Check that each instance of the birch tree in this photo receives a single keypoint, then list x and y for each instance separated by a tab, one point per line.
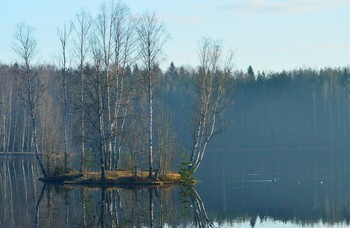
82	29
115	37
104	25
95	108
30	86
63	35
152	37
166	139
211	84
125	55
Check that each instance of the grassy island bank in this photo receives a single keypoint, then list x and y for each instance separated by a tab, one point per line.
114	178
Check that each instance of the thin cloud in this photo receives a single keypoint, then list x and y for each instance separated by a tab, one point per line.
281	6
336	46
192	19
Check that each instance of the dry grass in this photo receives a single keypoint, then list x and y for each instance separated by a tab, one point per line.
142	175
120	177
176	177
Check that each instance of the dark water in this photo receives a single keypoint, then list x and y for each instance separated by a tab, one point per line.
241	188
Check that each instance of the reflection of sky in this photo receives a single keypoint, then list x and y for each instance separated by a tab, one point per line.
308	189
276	224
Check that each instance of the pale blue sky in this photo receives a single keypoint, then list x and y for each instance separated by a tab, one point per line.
270	35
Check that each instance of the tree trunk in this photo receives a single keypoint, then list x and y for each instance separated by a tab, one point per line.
151	208
82	130
150	129
41	165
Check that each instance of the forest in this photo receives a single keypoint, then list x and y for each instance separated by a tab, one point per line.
105	104
98	104
303	103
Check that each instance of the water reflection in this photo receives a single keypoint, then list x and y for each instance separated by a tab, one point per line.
109	207
19	190
253	197
303	187
191	198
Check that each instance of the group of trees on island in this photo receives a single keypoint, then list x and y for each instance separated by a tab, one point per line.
98	103
51	205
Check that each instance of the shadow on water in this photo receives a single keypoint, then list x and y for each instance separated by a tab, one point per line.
306	192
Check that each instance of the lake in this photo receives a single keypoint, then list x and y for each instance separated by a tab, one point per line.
300	187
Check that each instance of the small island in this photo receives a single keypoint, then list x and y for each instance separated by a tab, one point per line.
121	178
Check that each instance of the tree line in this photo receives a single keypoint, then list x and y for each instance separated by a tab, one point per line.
301	108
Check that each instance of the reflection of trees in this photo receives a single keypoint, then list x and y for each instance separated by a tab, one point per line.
37	207
149	207
158	207
105	207
18	191
301	199
109	210
201	218
60	206
102	211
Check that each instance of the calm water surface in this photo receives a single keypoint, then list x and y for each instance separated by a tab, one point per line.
252	188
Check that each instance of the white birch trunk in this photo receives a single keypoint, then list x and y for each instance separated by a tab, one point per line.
150	129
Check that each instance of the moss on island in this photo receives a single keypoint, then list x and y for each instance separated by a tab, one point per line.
114	178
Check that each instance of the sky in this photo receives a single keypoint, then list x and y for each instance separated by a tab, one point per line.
269	35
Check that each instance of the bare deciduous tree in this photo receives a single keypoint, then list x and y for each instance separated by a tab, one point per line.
115	38
166	139
95	108
82	31
63	35
152	37
125	47
211	81
104	25
30	86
